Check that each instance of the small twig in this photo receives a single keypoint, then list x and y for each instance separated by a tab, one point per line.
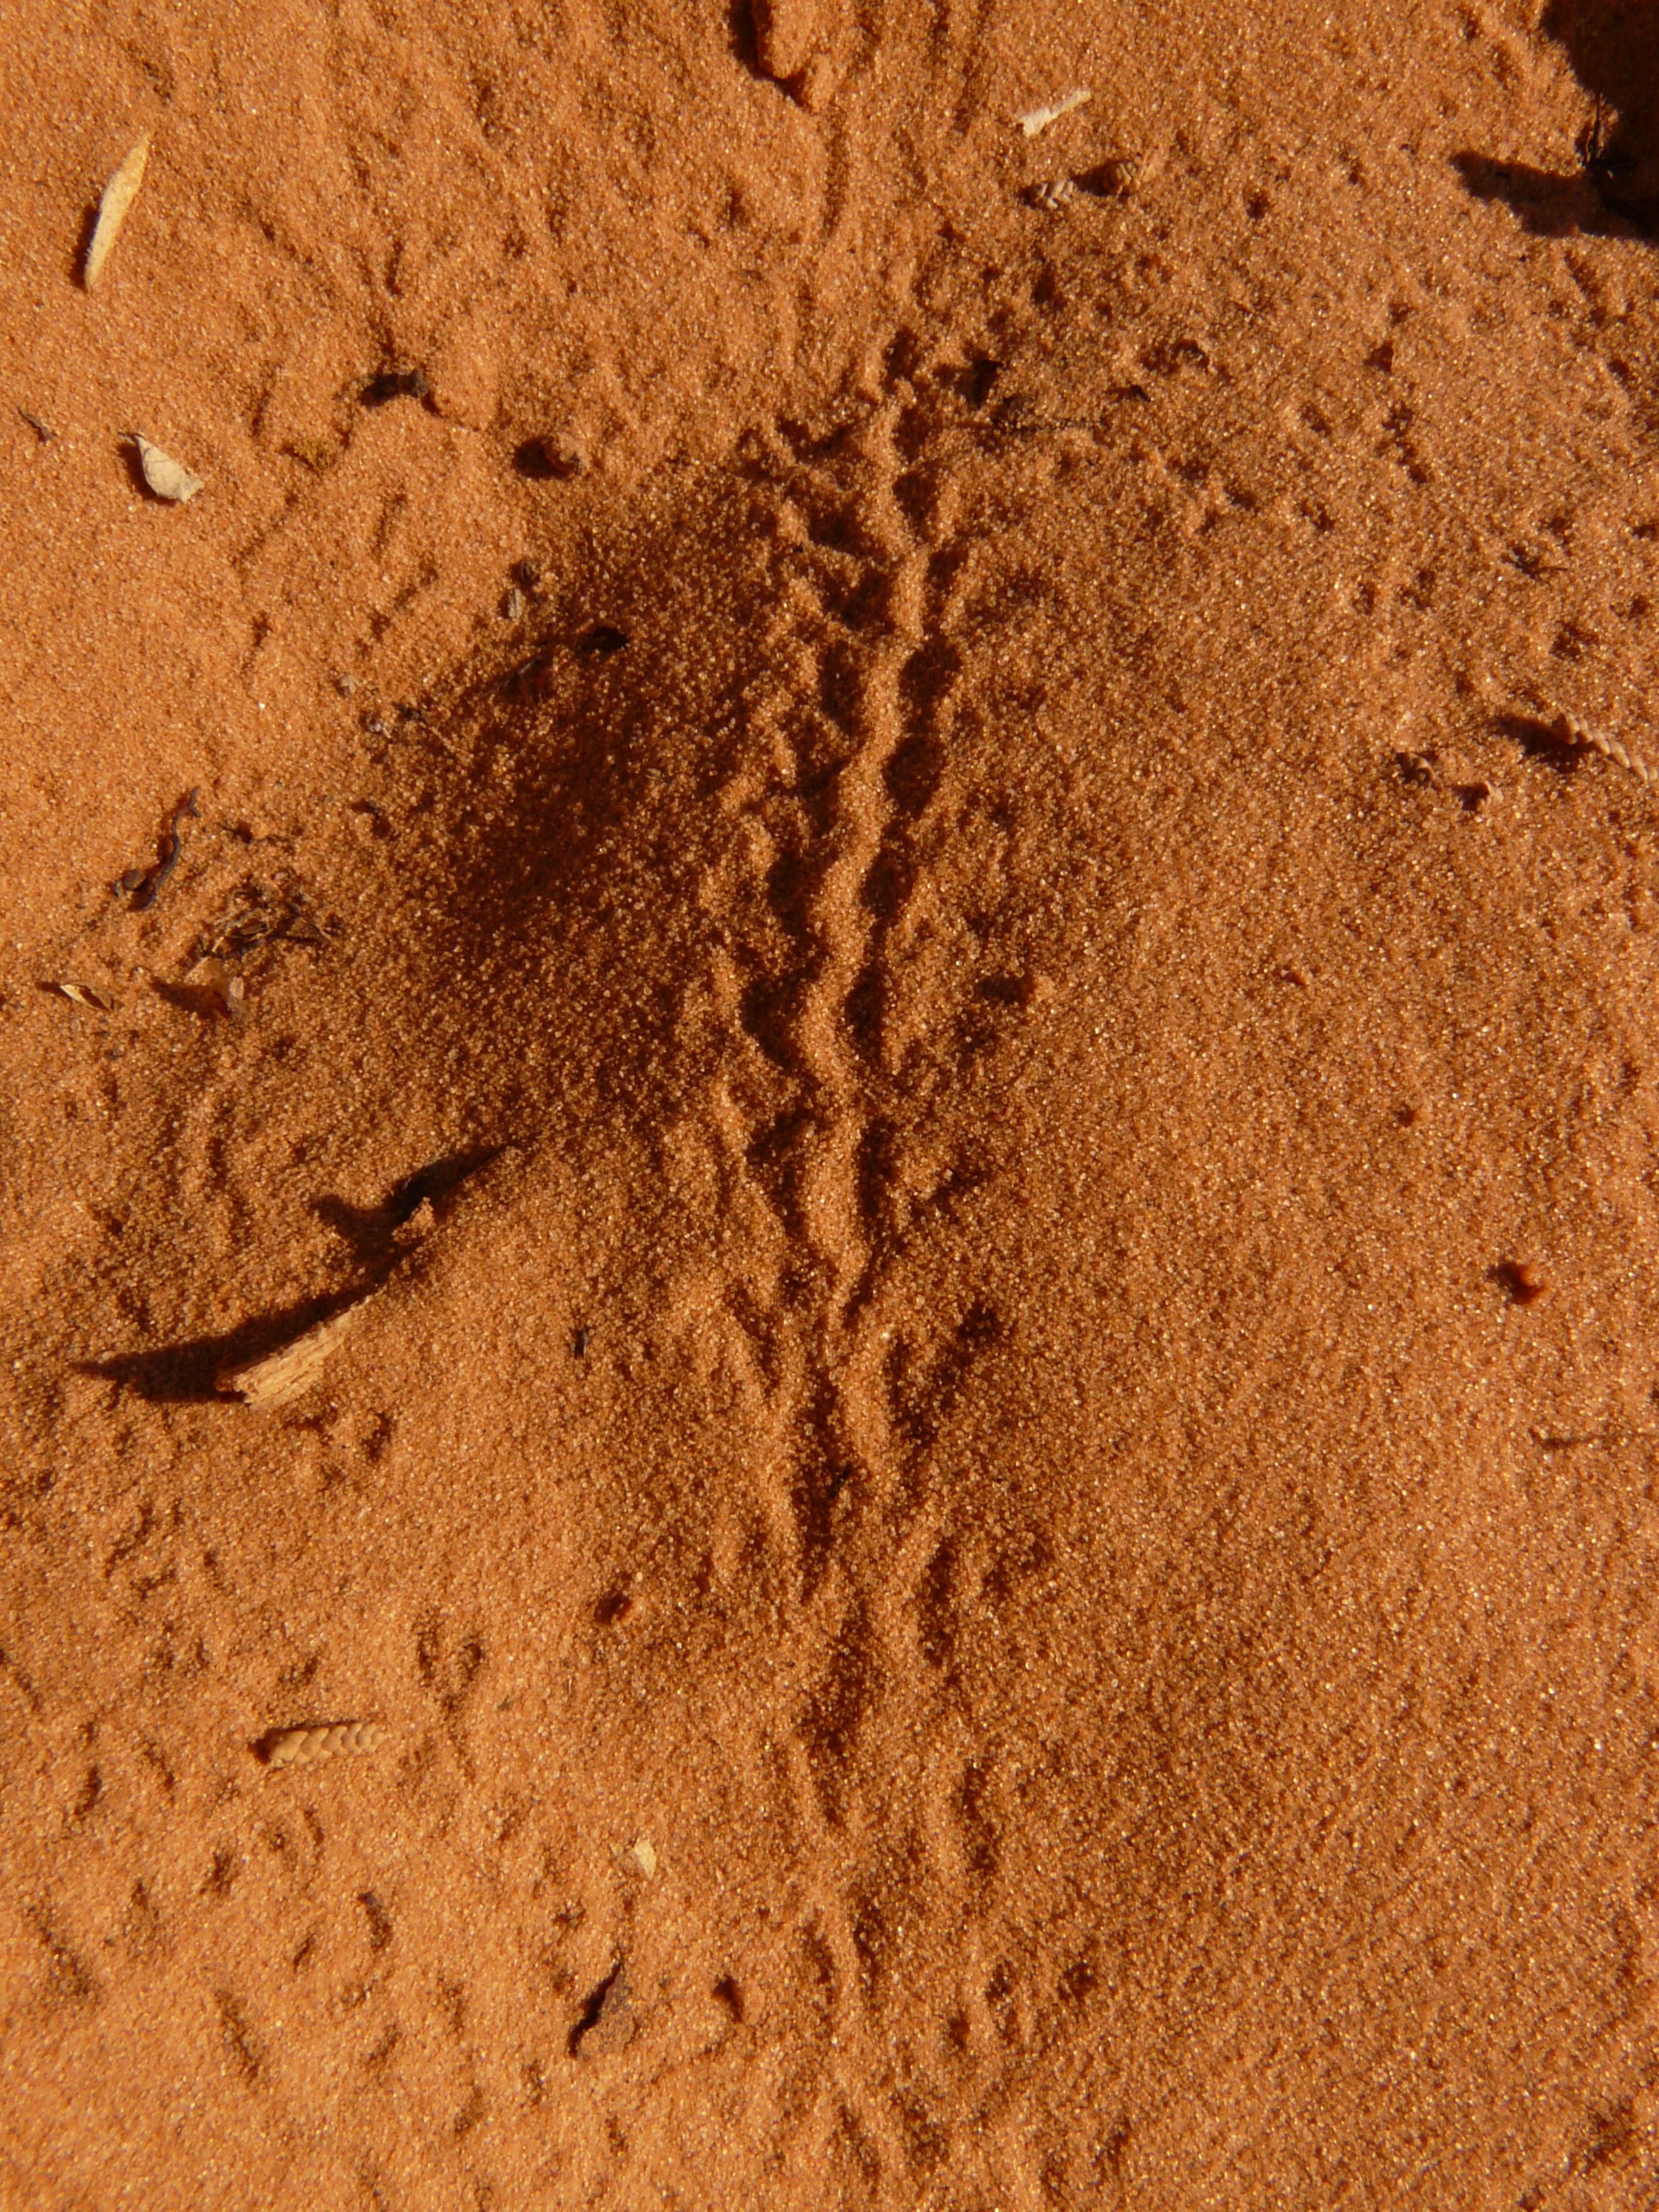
172	844
294	1366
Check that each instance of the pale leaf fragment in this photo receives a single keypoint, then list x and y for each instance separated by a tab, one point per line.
87	994
166	478
1040	117
120	194
284	1374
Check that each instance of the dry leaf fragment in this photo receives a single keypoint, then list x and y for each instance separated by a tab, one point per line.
638	1858
227	991
119	194
166	478
284	1374
87	994
305	1746
1040	117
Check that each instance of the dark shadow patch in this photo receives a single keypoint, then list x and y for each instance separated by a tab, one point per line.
767	1013
378	1919
925	1388
205	1001
390	384
1545	203
76	271
238	2038
187	1373
973	381
1541	741
606	2022
1006	990
68	1979
1522	1285
1614	54
935	1610
546	460
744	38
368	1231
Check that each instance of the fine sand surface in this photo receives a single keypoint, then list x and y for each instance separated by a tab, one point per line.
877	1169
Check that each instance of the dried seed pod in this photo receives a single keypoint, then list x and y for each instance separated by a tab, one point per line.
305	1746
119	194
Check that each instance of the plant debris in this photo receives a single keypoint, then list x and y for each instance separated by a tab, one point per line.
85	995
284	1374
305	1746
1039	119
40	428
146	884
224	989
167	479
260	915
120	194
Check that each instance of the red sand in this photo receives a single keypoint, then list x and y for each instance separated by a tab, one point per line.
913	921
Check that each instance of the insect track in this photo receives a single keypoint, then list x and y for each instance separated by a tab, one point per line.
818	871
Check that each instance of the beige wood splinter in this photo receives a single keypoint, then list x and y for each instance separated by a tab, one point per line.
1571	732
119	194
305	1746
284	1374
1039	119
